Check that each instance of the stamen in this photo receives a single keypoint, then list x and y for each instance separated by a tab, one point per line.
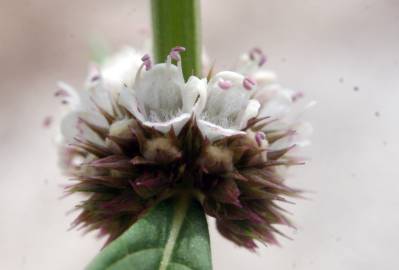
259	137
248	83
175	53
61	93
225	85
145	58
138	74
262	60
147	62
257	54
254	52
179	49
95	78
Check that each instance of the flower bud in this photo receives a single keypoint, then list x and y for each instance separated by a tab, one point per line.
215	159
161	150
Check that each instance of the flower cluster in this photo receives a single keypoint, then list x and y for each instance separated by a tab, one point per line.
140	133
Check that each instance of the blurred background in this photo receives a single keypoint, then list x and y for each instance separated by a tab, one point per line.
342	53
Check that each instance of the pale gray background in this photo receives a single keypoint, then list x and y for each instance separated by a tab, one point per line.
325	48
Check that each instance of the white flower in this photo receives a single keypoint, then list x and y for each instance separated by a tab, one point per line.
139	132
281	106
230	103
120	70
229	106
252	92
160	98
103	84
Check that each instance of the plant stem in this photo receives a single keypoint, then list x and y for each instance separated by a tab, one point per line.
177	23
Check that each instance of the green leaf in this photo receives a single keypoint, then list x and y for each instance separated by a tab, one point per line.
172	236
177	23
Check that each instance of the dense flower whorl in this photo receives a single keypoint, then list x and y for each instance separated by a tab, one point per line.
140	132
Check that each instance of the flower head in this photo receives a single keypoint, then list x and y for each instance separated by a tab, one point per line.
144	133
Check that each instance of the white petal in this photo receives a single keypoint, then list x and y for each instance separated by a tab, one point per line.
159	89
251	111
194	95
214	132
303	132
69	94
276	103
93	76
297	112
176	123
72	127
247	66
68	126
224	105
264	77
95	96
120	69
94	118
128	100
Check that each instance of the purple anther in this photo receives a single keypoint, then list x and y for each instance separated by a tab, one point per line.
148	64
257	54
225	85
175	52
145	58
146	61
179	49
248	83
175	55
262	60
95	78
259	137
254	52
61	93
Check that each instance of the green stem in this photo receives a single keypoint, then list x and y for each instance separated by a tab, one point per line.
177	23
